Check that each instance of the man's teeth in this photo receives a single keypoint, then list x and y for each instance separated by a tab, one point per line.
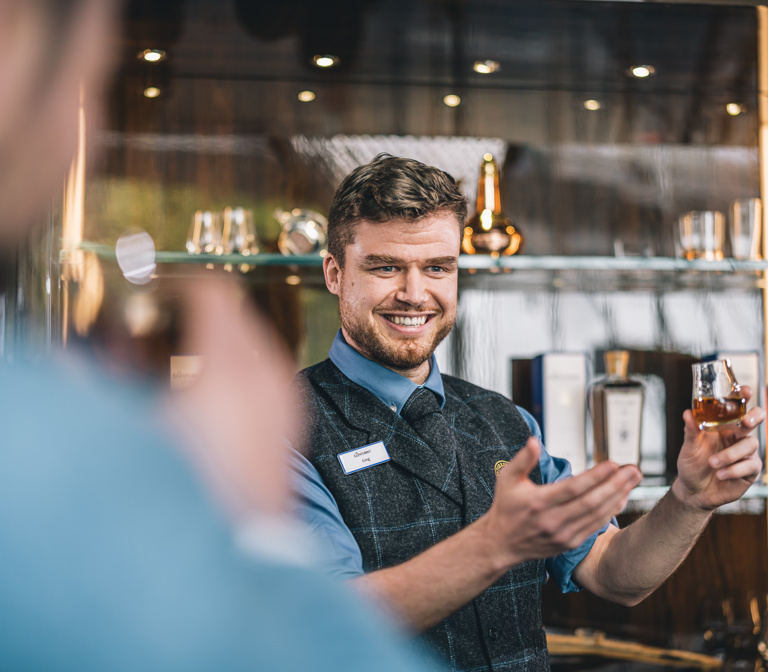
408	321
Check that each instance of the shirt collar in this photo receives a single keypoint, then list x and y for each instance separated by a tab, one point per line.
388	386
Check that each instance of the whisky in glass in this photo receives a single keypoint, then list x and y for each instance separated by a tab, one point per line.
717	399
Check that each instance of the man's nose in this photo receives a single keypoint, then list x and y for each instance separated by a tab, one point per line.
413	288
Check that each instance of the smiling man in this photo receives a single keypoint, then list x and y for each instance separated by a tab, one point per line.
434	495
398	303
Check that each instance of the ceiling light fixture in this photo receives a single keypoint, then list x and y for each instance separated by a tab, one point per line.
642	71
592	105
152	55
486	67
452	100
734	109
151	92
306	96
325	60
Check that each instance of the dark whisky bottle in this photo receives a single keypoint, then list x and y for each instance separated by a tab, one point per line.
489	231
616	407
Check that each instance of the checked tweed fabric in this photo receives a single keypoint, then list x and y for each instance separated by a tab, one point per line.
425	494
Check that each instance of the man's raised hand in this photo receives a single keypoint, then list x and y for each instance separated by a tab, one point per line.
530	521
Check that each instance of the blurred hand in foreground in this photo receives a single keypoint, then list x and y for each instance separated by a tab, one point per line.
235	417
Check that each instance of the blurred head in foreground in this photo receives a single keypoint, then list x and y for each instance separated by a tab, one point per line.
54	56
113	557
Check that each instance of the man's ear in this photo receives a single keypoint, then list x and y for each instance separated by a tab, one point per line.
332	271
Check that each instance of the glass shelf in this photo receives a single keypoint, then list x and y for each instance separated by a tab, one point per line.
474	262
645	496
549	273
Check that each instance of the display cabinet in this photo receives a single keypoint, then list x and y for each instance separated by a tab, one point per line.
597	165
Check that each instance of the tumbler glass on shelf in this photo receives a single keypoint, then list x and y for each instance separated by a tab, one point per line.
702	233
304	232
204	234
717	399
238	234
745	226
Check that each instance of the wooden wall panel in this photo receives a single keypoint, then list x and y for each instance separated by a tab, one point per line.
728	562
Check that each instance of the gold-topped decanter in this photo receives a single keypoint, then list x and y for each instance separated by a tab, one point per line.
616	407
489	231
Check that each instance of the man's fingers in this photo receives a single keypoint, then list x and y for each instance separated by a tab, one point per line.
738	461
569	523
599	504
691	426
748	469
736	452
522	464
572	488
752	419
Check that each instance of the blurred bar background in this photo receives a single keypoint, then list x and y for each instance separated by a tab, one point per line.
597	164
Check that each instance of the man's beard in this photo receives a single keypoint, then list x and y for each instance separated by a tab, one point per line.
403	356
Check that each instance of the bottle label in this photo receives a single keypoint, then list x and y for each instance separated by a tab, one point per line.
623	415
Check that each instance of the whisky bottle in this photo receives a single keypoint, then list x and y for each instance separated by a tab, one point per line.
489	231
616	407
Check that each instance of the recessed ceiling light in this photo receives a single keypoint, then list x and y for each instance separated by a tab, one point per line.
734	109
452	100
152	55
486	67
642	71
151	92
306	96
592	105
325	60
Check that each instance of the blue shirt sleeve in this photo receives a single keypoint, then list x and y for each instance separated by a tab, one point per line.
554	469
337	552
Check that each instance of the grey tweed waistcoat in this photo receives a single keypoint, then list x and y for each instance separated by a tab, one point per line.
400	508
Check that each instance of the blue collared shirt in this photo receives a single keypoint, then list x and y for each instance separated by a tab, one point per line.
388	386
341	555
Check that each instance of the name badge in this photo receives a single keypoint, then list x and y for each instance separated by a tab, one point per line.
362	458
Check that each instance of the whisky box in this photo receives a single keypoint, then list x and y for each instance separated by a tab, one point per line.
559	404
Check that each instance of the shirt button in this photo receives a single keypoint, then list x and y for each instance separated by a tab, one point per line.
492	634
393	408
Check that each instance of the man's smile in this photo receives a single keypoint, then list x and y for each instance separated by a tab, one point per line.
408	320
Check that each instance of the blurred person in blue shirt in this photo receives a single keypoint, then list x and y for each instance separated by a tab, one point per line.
112	554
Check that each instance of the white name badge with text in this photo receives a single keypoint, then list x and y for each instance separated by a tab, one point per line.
362	458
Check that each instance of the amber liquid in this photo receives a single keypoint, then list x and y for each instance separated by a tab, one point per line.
711	413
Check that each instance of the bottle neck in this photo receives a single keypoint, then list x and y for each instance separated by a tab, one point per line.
617	374
488	197
617	364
